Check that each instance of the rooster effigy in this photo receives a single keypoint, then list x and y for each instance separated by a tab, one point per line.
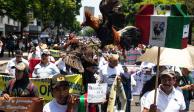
113	20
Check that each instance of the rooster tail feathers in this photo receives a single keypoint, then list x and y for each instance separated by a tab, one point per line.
130	37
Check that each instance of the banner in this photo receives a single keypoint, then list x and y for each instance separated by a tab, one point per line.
164	25
55	53
75	82
21	104
116	90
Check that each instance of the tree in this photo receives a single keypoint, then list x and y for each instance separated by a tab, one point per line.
59	11
2	8
190	6
17	10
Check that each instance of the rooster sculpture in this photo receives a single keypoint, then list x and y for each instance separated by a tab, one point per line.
110	30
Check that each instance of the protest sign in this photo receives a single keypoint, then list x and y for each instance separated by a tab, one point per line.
43	84
97	93
21	104
55	53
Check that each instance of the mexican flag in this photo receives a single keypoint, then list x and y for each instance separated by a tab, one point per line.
165	26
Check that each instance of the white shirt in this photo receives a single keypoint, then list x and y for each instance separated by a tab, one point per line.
45	71
166	103
106	72
142	100
102	62
53	106
61	64
1	45
12	63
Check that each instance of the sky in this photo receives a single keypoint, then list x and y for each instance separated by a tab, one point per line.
91	3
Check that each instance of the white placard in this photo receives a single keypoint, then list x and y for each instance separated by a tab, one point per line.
158	31
97	93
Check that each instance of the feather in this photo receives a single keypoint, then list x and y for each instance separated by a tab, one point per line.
111	12
130	37
107	34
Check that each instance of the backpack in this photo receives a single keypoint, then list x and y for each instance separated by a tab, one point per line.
30	86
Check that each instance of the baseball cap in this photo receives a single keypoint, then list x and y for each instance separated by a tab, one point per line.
45	52
167	72
20	66
59	80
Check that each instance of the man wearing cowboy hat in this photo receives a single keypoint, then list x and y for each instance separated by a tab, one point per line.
20	86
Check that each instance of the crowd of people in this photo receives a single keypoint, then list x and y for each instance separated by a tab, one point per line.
174	91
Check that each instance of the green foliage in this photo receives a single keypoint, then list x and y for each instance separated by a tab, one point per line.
49	11
190	6
60	12
88	31
76	27
17	10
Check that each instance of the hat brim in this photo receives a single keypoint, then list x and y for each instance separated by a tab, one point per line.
61	83
170	75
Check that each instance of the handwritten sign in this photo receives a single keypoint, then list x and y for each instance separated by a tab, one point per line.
97	93
21	104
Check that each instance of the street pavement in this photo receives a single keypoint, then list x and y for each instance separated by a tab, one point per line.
134	107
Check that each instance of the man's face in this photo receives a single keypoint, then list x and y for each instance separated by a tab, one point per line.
61	93
19	74
45	58
167	83
185	71
18	58
113	62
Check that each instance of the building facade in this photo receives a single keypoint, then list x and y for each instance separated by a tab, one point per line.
8	25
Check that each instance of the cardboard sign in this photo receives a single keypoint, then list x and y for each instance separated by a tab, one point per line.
97	93
21	104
